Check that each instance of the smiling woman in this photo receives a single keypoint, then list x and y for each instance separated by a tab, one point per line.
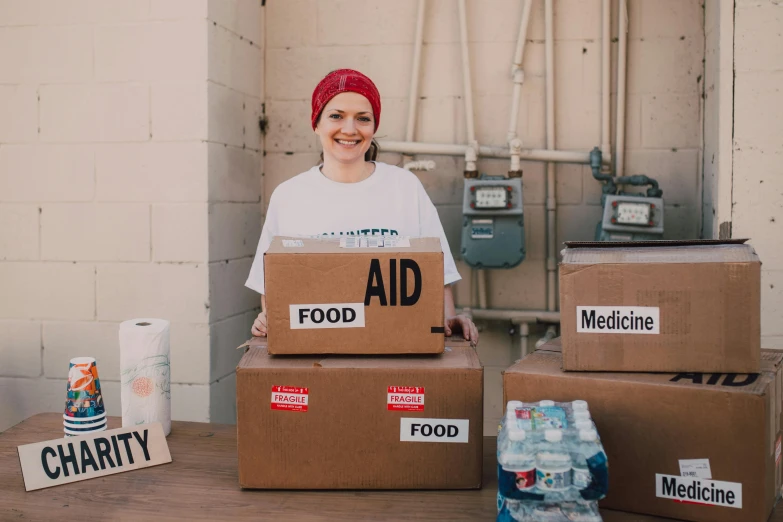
350	193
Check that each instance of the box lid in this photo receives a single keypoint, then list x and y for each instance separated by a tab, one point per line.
668	251
457	354
549	362
331	245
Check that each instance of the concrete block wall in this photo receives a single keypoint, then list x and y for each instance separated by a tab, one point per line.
756	175
306	39
129	187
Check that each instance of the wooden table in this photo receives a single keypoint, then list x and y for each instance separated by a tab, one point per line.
201	484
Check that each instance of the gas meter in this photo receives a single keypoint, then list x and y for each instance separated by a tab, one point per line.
627	216
493	233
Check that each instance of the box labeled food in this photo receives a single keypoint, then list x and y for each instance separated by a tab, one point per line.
692	446
370	422
354	295
661	306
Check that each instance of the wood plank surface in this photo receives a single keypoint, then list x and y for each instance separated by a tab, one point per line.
201	484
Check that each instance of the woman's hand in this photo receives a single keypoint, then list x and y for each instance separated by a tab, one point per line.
259	325
462	323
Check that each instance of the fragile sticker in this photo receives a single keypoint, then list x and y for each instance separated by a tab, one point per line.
777	450
696	468
405	398
694	490
290	398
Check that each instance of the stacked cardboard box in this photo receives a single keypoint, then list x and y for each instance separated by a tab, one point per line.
355	387
702	441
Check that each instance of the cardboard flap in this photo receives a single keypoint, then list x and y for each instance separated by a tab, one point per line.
692	251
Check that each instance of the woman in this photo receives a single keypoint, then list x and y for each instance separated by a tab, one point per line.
351	193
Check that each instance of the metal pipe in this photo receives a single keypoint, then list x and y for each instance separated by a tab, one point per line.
622	15
514	316
550	334
413	91
468	94
551	199
524	333
606	35
449	149
481	278
517	74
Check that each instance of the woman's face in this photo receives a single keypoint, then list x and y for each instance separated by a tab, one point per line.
346	127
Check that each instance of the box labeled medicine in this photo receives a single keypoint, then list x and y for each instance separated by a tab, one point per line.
699	446
354	295
661	306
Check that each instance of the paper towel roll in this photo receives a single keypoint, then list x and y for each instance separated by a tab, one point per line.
145	372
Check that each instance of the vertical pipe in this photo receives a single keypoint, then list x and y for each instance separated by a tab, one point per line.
482	288
551	200
622	15
606	34
414	87
467	91
516	69
524	333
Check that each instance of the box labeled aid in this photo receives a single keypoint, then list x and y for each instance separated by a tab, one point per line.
661	306
354	295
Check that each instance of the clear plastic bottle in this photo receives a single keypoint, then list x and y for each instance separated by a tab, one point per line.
582	415
587	447
546	403
553	466
518	465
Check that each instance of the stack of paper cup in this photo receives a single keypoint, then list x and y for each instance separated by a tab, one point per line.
84	410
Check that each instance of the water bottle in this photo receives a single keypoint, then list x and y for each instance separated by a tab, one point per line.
553	466
517	471
582	415
579	406
590	471
581	476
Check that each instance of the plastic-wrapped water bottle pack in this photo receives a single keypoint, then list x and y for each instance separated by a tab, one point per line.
551	464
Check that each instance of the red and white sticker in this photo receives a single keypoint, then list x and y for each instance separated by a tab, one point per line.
289	398
405	398
777	450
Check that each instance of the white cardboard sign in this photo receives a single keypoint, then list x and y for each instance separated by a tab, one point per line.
71	459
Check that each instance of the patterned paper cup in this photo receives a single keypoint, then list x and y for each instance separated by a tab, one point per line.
84	425
73	433
85	420
84	429
83	392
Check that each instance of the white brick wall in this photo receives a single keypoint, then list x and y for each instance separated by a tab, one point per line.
757	186
130	156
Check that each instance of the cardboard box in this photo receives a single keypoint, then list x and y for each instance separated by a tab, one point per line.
661	306
337	422
325	296
652	424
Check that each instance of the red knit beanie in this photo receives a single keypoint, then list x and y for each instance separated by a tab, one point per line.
345	80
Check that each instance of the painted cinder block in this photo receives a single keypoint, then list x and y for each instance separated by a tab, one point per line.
232	61
757	30
243	220
19	232
177	292
64	340
151	171
169	220
224	337
20	348
179	111
222	400
178	9
18	113
94	112
227	292
234	173
244	17
95	231
35	290
771	301
225	109
670	120
757	110
44	172
377	22
294	24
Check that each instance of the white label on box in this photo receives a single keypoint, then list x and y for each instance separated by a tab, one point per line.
434	430
692	490
696	468
288	243
334	315
290	398
405	398
374	242
618	319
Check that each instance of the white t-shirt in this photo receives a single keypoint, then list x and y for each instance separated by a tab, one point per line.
392	201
